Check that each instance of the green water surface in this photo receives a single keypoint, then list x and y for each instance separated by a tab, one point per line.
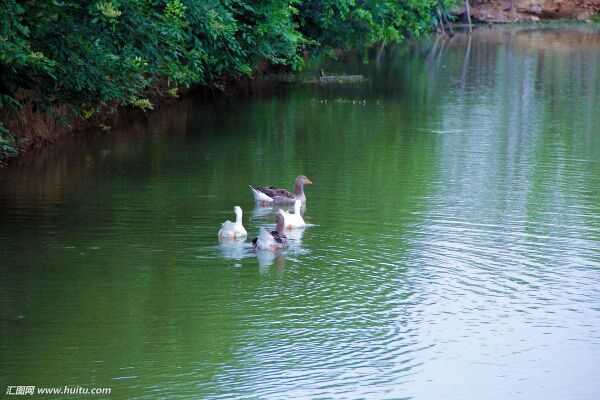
453	250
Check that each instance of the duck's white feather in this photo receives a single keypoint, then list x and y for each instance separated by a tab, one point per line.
233	230
265	240
260	197
294	220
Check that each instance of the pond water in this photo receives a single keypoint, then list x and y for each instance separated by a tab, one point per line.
453	252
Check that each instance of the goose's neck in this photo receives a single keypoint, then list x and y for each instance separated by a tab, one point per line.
299	189
238	217
297	207
279	227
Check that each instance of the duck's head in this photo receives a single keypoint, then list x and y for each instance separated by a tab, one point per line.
302	180
238	212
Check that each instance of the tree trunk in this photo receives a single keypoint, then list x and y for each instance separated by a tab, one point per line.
469	16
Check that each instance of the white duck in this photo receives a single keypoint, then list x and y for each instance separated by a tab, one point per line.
294	220
233	230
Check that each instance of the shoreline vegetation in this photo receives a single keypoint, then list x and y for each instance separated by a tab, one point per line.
69	66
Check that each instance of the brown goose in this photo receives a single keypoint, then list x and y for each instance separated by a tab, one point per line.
272	195
271	240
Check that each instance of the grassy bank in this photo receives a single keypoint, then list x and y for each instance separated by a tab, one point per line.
68	65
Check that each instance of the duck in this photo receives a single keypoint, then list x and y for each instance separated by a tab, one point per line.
294	220
271	241
269	195
233	230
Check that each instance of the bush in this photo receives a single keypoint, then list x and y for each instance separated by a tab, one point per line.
95	54
7	144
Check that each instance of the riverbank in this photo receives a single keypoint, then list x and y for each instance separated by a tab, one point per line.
77	63
36	130
33	131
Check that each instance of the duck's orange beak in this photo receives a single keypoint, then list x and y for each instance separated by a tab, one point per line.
308	181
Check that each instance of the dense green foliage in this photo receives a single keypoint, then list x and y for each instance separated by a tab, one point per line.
350	24
99	53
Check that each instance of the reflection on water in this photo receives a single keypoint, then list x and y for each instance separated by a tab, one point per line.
267	258
295	236
235	249
260	212
452	250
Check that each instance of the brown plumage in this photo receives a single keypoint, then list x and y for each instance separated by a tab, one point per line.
271	194
271	240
